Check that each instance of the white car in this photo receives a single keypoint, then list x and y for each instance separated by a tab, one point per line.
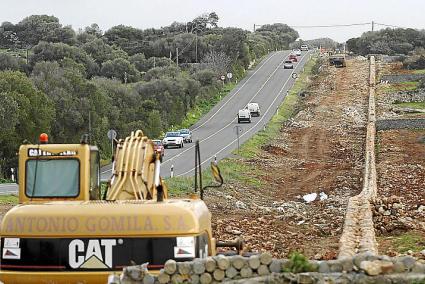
304	47
254	108
173	139
297	52
244	115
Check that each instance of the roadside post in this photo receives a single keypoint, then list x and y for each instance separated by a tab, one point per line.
13	174
238	130
172	171
112	134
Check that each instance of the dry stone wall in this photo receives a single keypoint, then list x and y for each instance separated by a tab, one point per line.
358	234
402	123
361	268
402	78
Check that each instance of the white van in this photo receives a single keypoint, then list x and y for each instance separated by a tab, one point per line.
254	109
304	47
244	115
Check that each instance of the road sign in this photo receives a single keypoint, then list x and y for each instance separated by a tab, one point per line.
294	75
223	77
112	134
229	75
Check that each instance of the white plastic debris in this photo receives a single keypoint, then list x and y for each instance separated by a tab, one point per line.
310	197
323	196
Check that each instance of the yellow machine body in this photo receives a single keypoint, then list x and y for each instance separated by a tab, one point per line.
72	235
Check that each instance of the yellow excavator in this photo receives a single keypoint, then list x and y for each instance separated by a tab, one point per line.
67	230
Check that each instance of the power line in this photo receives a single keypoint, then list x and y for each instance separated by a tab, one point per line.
392	26
332	26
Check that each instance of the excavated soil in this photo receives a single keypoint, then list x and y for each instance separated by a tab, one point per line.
319	151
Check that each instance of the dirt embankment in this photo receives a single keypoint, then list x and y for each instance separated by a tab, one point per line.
319	151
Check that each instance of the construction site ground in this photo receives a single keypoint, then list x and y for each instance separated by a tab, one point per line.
400	165
320	151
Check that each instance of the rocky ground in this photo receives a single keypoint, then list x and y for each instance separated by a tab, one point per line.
320	151
399	212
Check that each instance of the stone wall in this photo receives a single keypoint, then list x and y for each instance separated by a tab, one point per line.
402	123
403	97
264	269
402	78
358	233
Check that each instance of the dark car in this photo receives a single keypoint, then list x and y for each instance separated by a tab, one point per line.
158	148
288	64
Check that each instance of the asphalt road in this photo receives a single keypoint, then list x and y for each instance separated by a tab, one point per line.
267	85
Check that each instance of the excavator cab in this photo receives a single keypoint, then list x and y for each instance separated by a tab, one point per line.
67	172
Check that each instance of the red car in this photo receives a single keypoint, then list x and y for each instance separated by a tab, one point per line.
293	57
158	148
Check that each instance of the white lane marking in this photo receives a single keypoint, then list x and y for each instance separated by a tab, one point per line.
231	122
7	184
235	140
225	103
264	63
106	171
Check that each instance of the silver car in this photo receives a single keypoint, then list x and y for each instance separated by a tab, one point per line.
186	134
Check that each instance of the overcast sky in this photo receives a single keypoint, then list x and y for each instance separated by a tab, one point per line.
235	13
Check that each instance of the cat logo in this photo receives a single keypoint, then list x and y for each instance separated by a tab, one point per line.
97	254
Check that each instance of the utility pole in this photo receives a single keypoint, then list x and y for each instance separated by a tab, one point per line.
177	56
89	127
373	26
254	28
154	65
170	58
196	47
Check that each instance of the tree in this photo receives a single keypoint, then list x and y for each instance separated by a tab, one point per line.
25	112
127	38
281	34
36	28
219	62
45	51
121	69
9	62
387	41
101	51
94	30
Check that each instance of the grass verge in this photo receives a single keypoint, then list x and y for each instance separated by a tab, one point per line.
415	105
8	199
403	86
203	107
419	71
234	170
413	241
5	180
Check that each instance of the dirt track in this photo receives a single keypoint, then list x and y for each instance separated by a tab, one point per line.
320	150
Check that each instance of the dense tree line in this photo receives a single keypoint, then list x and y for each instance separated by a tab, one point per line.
55	80
387	41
